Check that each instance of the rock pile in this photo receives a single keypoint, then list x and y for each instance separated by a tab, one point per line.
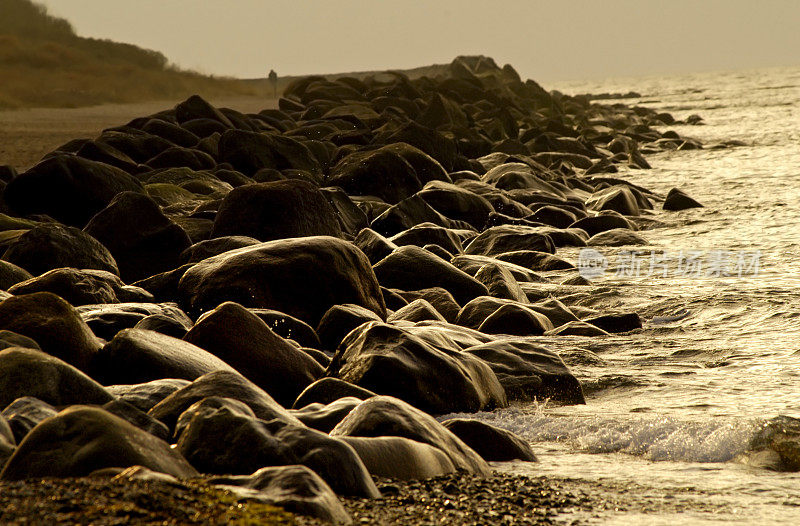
300	289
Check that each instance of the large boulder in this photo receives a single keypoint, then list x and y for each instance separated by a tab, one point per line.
411	268
679	200
241	339
82	287
302	277
400	458
456	202
26	372
492	443
440	379
327	390
146	395
53	323
382	172
382	416
138	356
68	188
324	417
141	238
618	198
528	371
249	152
339	320
277	210
23	414
507	238
11	274
50	245
81	439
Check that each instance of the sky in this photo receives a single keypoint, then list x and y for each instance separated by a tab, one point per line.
544	40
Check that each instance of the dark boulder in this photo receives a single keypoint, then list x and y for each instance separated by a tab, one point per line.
534	260
383	173
417	310
143	241
324	417
508	238
375	246
212	247
429	234
492	443
11	274
82	287
68	188
456	202
339	320
616	237
516	320
25	413
500	282
249	152
406	214
327	390
145	396
679	200
593	225
289	327
302	277
50	245
400	458
278	210
241	339
388	360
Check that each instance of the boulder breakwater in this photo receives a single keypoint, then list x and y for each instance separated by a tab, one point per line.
283	302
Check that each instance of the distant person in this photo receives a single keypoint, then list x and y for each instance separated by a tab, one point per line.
273	80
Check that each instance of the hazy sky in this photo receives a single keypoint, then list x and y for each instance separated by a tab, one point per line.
544	40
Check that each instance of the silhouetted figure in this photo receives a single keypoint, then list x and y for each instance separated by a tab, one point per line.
273	80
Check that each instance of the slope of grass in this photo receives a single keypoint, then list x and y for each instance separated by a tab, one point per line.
44	63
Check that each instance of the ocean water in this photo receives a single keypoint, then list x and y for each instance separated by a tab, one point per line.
671	409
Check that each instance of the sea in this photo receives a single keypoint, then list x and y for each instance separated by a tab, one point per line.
672	410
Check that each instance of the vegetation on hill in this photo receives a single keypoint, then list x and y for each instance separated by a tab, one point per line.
43	62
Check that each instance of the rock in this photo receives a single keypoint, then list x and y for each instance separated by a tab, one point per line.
617	323
11	274
439	298
107	320
406	214
138	356
145	396
457	203
477	311
243	340
195	107
577	328
375	246
83	439
138	418
429	234
142	240
618	198
382	172
221	441
388	360
508	238
492	443
327	390
528	371
601	223
400	458
418	310
616	237
324	417
302	277
171	132
25	413
500	283
177	157
53	323
249	152
277	210
351	218
82	287
678	200
553	216
12	339
289	327
162	324
534	260
339	321
222	384
49	246
517	320
297	489
412	268
68	188
387	416
212	247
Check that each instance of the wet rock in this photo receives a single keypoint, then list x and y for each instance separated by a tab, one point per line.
516	320
278	210
412	268
616	323
68	188
142	240
528	371
49	246
241	339
351	218
382	172
471	264
11	274
400	458
616	237
53	323
382	416
12	339
500	283
618	198
417	310
222	384
212	247
162	324
195	107
296	489
534	260
492	443
138	356
339	320
678	200
429	234
601	223
389	360
55	449
374	245
406	214
139	418
289	327
508	238
327	390
146	395
249	152
324	417
456	202
439	298
25	413
577	328
82	287
302	277
177	157
107	320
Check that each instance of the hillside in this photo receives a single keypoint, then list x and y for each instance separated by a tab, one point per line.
43	62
